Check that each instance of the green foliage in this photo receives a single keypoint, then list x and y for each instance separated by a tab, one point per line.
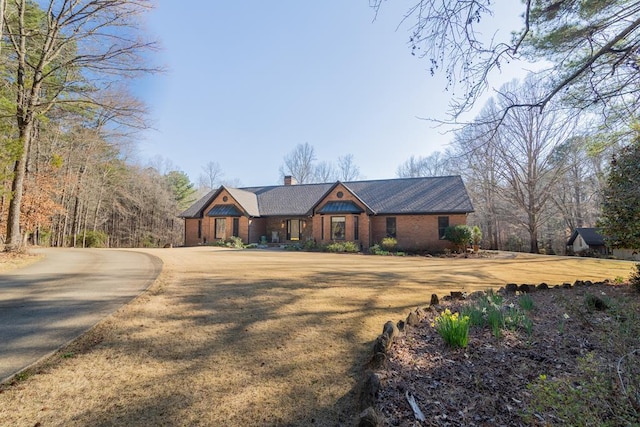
453	328
634	279
389	243
235	242
181	187
310	245
495	320
231	242
476	235
93	239
589	398
526	302
620	220
339	247
377	250
459	235
490	312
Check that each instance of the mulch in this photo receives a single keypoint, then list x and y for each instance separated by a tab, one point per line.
486	383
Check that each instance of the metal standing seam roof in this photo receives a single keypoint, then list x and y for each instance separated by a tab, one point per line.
392	196
346	206
224	210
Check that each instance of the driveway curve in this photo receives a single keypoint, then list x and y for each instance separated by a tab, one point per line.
49	303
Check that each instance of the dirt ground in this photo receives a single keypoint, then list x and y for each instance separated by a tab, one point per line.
253	337
573	367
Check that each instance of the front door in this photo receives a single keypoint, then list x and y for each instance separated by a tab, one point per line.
293	229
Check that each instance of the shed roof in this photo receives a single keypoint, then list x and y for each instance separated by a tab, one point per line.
591	236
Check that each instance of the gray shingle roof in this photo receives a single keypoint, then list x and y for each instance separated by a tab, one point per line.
446	194
195	210
390	196
247	199
591	236
294	200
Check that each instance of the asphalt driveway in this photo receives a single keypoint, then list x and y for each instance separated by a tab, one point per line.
48	304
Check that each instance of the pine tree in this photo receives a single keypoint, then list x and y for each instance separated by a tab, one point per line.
620	222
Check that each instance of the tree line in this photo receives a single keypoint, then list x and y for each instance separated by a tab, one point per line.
536	177
67	124
544	155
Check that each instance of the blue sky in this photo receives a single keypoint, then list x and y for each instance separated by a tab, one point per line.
247	81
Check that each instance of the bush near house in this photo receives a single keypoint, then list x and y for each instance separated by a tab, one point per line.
337	247
459	235
389	244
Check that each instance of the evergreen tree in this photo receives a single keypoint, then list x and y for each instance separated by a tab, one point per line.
620	222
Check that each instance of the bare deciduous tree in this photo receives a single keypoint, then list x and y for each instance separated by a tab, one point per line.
435	164
324	172
68	53
299	163
525	146
594	47
347	168
211	176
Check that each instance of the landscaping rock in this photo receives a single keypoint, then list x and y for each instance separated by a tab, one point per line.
369	418
413	319
457	295
434	299
543	286
511	288
524	288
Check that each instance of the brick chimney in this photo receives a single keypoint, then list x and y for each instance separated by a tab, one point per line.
290	180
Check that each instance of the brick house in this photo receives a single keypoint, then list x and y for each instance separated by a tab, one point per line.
413	210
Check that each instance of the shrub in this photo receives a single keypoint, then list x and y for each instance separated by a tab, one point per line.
634	279
389	243
235	242
476	235
459	235
93	239
377	250
310	245
337	247
453	328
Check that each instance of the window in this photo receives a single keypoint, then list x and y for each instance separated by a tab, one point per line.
443	222
391	226
321	228
236	227
338	227
221	228
356	232
199	228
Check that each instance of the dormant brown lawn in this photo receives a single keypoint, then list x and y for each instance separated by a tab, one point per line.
254	337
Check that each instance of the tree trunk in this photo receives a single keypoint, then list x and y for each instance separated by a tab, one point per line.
14	240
